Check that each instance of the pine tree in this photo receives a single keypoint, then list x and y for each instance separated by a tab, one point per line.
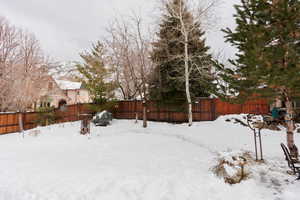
95	76
168	84
267	64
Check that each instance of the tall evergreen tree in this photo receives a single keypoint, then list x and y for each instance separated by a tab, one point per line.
267	64
95	76
168	84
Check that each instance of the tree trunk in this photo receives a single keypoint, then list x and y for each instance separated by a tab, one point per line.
136	117
144	114
136	113
21	127
290	129
187	80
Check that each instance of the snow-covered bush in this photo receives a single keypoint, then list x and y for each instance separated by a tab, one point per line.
233	166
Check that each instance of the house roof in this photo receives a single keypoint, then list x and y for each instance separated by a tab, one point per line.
68	85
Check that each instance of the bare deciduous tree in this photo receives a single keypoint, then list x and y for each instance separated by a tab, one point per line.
129	45
121	58
9	55
143	48
23	69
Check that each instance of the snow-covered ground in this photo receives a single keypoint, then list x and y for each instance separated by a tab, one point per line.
127	162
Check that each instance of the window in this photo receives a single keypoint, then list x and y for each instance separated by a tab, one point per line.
62	105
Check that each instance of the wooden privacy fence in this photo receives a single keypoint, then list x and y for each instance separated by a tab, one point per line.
260	106
203	110
9	122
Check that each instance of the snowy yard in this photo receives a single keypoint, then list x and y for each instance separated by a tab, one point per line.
127	162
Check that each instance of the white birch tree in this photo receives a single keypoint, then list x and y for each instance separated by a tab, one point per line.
191	16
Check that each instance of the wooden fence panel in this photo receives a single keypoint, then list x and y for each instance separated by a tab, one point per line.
256	107
68	114
3	123
8	123
253	107
127	109
13	122
202	111
30	120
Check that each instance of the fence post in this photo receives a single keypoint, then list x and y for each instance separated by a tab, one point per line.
213	109
24	121
136	114
21	122
241	108
78	111
168	111
157	111
200	109
6	131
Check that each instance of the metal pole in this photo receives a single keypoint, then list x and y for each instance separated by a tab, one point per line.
261	152
255	142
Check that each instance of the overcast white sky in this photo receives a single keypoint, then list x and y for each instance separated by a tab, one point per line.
67	27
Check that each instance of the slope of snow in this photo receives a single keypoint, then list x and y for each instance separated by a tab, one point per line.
127	162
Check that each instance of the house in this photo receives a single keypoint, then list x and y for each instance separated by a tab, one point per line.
57	93
74	91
